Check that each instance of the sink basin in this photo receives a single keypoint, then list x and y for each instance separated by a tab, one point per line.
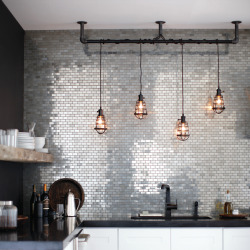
172	218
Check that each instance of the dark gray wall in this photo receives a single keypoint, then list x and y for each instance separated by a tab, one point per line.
11	99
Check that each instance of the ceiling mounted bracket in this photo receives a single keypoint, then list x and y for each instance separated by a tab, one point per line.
82	23
160	38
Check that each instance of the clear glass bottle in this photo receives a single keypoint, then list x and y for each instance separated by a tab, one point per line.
228	208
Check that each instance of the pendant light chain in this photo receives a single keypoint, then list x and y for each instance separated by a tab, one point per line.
140	70
100	75
182	79
218	55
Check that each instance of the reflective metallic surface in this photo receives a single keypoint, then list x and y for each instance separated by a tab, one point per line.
121	171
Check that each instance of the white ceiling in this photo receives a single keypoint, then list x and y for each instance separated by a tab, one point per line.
129	14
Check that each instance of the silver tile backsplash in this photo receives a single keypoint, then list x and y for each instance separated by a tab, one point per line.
121	170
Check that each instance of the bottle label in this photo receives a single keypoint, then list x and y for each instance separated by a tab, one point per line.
46	204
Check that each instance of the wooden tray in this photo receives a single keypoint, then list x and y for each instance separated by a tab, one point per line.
22	217
233	216
60	188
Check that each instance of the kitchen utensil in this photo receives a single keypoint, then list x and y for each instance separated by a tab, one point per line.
70	206
31	127
60	188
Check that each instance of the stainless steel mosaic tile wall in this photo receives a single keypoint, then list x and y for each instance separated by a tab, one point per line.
121	170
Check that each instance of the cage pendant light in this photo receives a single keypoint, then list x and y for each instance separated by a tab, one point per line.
101	125
218	104
140	107
182	129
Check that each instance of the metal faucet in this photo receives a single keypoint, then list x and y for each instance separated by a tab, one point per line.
196	209
168	205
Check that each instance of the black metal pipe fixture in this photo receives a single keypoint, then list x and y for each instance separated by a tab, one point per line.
160	38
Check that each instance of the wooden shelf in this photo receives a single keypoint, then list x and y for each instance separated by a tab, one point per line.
23	155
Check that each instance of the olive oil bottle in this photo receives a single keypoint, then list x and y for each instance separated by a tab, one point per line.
228	208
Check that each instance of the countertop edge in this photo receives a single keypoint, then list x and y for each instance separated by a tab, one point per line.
177	223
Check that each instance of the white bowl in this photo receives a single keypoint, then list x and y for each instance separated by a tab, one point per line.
39	142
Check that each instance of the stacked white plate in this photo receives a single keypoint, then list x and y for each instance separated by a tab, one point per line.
24	140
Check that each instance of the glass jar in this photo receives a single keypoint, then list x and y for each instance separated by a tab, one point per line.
11	211
3	215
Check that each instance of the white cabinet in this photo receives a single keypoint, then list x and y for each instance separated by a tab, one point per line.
236	238
187	238
100	239
144	239
196	239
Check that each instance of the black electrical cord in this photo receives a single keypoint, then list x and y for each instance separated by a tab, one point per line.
100	75
182	79
140	70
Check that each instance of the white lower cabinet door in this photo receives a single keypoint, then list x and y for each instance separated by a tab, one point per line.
236	238
100	239
70	246
196	239
144	239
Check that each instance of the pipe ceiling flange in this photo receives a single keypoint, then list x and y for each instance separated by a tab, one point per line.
236	36
82	23
160	23
160	38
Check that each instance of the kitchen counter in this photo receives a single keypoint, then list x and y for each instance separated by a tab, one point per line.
40	234
168	223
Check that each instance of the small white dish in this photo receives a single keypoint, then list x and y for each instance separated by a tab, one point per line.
42	150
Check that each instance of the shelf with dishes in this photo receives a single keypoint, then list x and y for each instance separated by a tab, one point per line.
23	155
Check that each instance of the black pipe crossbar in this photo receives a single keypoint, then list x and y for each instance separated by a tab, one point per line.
157	40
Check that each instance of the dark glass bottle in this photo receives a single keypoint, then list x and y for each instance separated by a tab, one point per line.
32	202
45	200
38	207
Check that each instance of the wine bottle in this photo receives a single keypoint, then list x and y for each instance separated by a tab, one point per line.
38	207
45	201
32	202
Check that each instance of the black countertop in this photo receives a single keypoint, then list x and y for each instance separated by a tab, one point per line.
40	234
56	234
168	223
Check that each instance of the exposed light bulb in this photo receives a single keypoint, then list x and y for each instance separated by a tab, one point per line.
219	100
101	125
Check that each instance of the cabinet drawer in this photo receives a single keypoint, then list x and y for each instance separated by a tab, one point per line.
144	239
100	239
196	238
236	238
